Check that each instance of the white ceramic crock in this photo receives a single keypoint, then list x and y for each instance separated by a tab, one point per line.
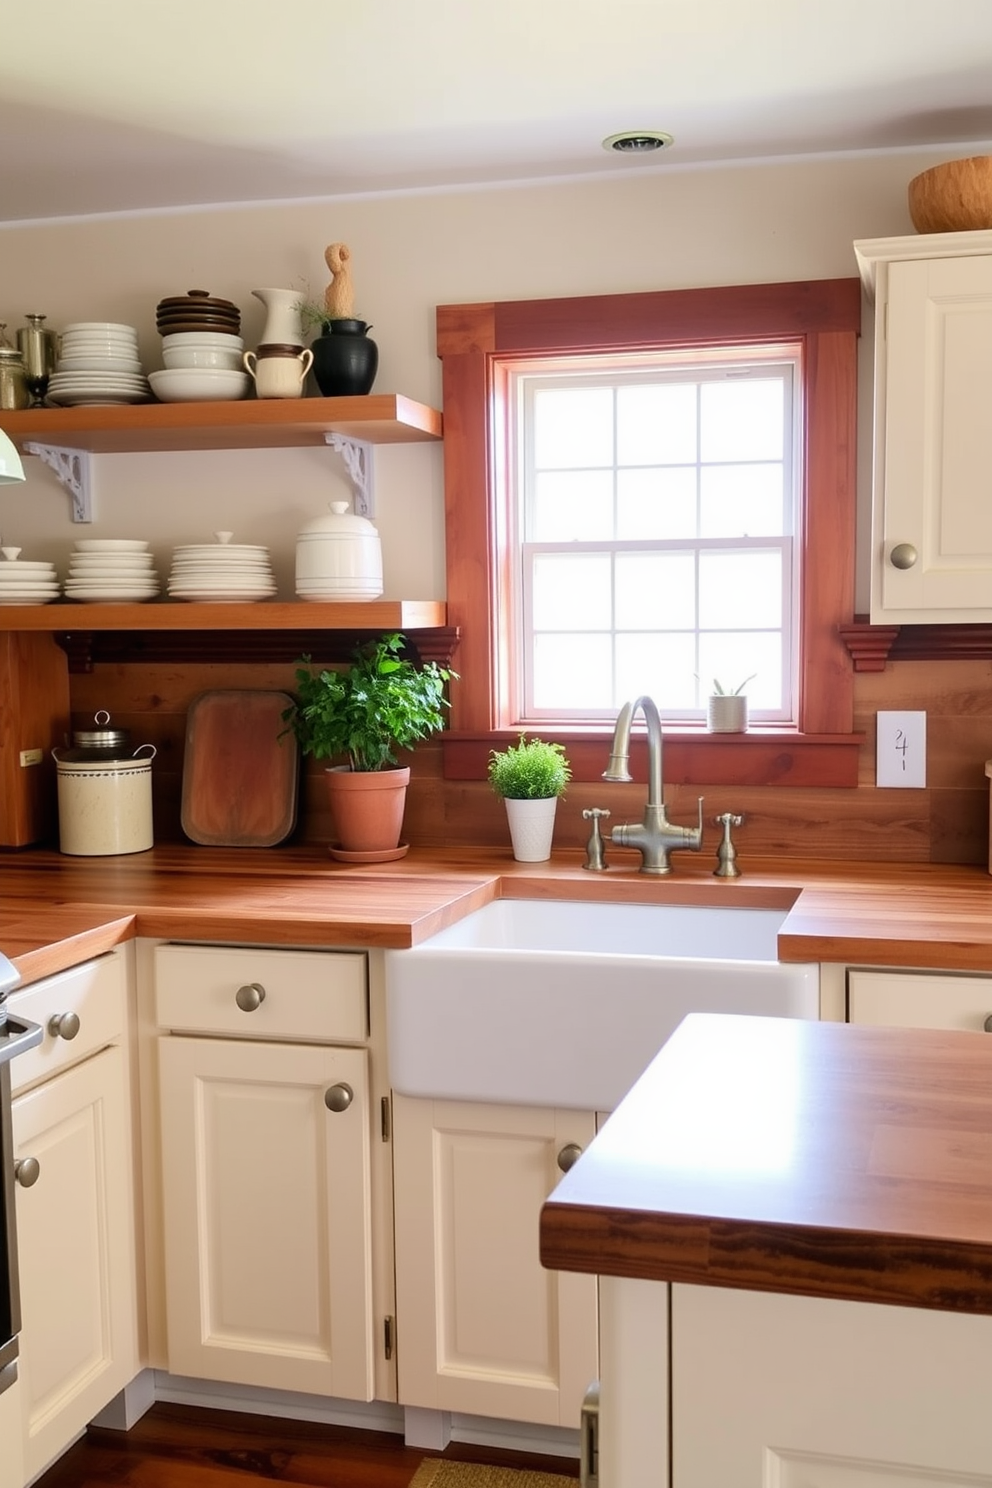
338	557
105	806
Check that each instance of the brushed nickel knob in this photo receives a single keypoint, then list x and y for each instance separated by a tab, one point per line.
27	1171
903	555
339	1097
63	1025
987	1025
569	1156
251	997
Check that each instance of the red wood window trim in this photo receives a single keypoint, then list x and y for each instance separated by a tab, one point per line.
825	316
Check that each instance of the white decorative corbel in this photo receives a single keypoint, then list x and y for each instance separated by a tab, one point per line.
357	456
74	470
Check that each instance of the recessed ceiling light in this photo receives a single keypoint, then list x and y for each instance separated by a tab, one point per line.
638	141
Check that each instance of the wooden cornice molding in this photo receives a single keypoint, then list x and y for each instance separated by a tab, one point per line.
871	647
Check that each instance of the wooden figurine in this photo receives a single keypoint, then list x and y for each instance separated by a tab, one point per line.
339	295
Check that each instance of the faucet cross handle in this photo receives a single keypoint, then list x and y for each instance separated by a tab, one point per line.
595	850
726	853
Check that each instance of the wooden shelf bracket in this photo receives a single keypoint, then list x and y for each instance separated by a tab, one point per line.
75	472
357	456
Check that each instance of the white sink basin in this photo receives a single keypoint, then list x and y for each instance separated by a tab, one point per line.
557	1003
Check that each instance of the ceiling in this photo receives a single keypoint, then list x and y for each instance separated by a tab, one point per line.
114	105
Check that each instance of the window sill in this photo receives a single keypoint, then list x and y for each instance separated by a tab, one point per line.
762	756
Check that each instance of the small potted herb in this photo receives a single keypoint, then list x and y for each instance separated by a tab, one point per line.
726	709
380	703
530	776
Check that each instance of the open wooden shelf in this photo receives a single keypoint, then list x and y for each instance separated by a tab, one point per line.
373	615
271	423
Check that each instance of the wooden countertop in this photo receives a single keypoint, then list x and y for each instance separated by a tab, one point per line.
780	1155
57	910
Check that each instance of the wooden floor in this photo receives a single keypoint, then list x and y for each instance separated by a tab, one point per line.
178	1446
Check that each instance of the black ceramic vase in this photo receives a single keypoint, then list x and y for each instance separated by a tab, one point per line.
345	360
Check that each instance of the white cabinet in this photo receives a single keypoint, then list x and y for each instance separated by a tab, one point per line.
75	1221
918	999
808	1392
265	1156
932	517
12	1474
481	1327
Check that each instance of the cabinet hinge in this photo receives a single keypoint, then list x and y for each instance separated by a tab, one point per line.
387	1337
386	1118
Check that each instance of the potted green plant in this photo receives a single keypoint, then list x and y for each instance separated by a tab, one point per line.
380	703
530	776
726	709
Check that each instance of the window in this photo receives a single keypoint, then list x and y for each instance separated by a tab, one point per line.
653	505
811	326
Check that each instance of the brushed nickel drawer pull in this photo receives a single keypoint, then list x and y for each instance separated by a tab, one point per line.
569	1156
903	556
987	1025
339	1097
27	1171
63	1025
251	997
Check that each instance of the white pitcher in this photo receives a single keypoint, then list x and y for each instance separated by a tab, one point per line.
283	326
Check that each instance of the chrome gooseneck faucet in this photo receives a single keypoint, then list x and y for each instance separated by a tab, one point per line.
656	837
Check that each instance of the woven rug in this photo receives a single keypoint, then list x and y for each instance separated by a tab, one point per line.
437	1472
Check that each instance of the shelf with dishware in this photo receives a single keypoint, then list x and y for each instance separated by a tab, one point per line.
251	423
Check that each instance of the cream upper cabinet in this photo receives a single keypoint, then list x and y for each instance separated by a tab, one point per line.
932	467
266	1170
481	1327
74	1206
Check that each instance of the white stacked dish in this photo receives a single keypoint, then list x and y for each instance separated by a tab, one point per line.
221	572
198	349
198	384
111	570
98	364
26	583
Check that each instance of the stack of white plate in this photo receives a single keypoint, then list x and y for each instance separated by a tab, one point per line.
26	583
111	570
98	364
221	572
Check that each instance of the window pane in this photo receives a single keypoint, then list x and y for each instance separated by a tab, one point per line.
740	590
658	504
656	425
572	672
572	506
733	658
573	427
656	589
741	501
742	420
663	666
572	593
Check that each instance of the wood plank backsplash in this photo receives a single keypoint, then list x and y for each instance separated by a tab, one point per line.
948	822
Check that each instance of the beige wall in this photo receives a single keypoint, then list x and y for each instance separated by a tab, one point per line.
645	229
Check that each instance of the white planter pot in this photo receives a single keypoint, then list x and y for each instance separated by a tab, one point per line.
532	825
727	714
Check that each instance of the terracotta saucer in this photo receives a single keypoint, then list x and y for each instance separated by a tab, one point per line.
386	855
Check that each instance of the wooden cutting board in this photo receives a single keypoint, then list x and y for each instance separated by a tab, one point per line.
239	777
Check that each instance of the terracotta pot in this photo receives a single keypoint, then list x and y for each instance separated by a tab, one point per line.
367	807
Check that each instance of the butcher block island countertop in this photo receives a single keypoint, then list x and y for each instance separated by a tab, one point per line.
56	910
782	1155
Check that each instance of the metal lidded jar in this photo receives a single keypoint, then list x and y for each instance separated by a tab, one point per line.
104	793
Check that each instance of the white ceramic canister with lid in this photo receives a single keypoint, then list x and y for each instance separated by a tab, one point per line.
338	557
105	805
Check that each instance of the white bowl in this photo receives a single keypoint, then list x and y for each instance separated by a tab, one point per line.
100	327
112	545
202	356
198	384
220	340
99	361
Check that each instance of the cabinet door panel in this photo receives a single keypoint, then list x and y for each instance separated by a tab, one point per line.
807	1392
906	999
267	1215
935	382
75	1248
482	1327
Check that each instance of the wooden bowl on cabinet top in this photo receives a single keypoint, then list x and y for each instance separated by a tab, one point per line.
953	197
